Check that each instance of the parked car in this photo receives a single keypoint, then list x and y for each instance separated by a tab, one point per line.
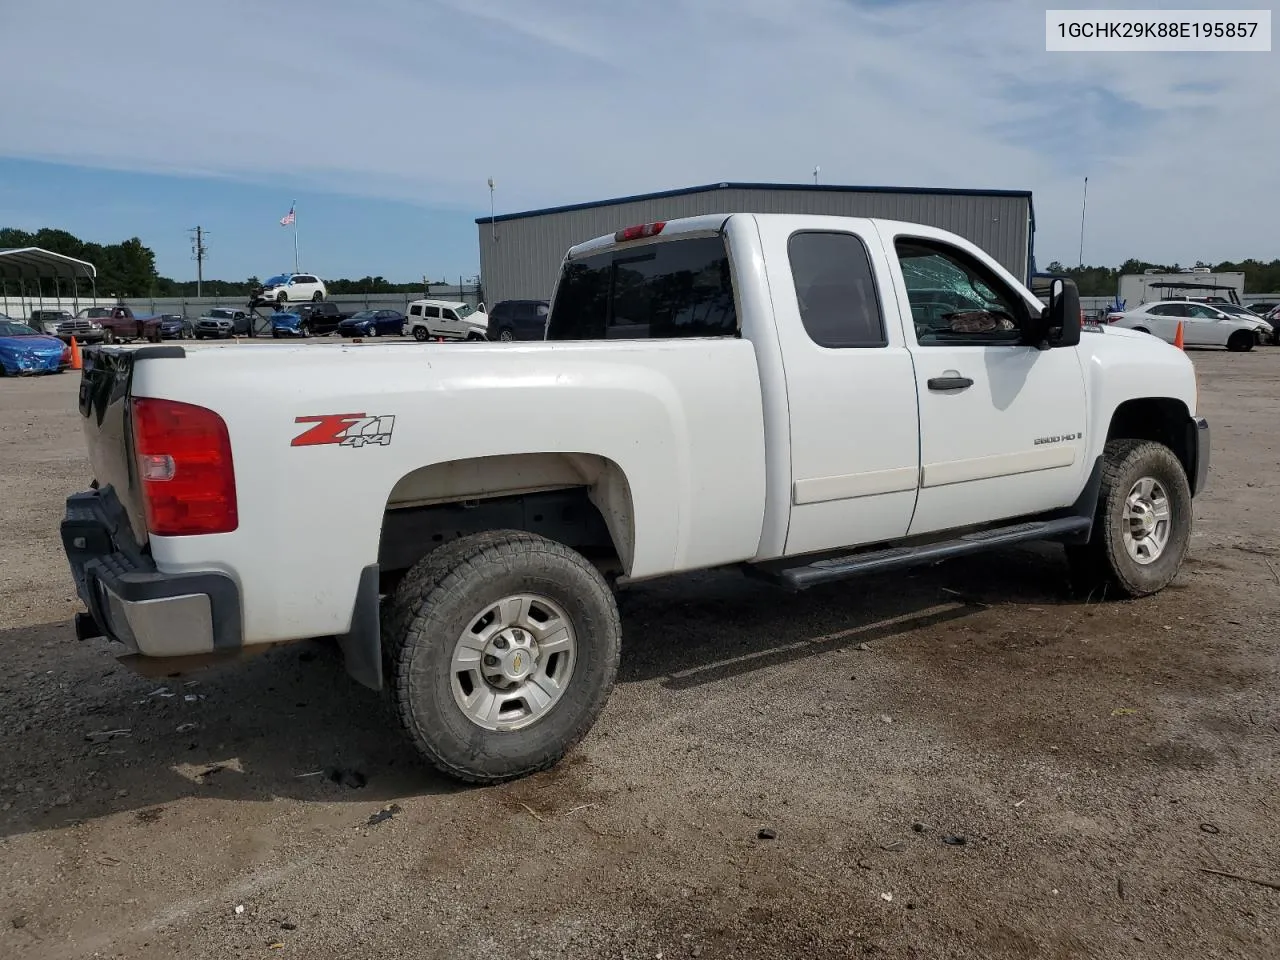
1264	307
118	323
290	288
319	319
774	408
1269	335
175	326
223	322
373	323
518	320
47	321
449	319
287	323
25	350
1203	324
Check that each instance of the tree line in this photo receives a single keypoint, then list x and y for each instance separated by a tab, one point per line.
128	269
1259	276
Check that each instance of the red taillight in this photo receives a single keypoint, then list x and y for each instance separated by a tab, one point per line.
184	465
639	232
1113	317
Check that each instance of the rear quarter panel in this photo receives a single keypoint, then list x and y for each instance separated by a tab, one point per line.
682	419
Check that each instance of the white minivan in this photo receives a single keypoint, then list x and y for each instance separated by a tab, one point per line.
449	319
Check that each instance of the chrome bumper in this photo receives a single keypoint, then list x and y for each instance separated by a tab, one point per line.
150	613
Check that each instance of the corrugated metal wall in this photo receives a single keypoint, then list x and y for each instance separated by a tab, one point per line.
521	258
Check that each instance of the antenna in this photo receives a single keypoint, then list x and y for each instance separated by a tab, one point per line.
199	253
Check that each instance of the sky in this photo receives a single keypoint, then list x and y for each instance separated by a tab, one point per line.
384	120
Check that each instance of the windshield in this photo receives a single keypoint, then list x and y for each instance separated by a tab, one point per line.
12	328
1232	308
464	311
363	315
276	281
94	313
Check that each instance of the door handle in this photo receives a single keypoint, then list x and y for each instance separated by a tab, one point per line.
950	383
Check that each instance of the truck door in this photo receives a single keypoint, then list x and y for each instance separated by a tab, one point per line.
1001	424
849	384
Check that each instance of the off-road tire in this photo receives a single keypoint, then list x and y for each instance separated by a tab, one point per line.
1240	342
432	607
1102	568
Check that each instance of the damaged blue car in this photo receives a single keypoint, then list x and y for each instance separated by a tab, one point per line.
24	350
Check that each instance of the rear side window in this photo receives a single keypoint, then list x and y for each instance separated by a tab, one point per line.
433	312
836	290
681	288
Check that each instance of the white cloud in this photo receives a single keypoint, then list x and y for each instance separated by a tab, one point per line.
562	101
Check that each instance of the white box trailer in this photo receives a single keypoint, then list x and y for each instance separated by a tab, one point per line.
1139	288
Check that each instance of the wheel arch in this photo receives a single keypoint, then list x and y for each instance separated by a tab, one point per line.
1164	420
580	499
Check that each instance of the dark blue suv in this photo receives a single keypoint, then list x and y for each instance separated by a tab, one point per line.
518	320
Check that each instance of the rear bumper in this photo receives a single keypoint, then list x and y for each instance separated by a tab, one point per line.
150	613
1199	428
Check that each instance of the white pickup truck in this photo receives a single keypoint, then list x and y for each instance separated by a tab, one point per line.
809	398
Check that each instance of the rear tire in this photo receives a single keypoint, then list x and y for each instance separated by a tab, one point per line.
1142	526
317	297
440	613
506	335
1240	342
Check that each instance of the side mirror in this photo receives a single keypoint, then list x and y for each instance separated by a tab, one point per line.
1061	319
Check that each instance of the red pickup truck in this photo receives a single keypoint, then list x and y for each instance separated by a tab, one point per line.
120	323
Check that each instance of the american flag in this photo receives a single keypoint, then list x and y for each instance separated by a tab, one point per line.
288	218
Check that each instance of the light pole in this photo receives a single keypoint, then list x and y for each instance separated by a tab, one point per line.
816	171
493	232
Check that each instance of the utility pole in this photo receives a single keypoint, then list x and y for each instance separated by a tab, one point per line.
198	253
493	230
1084	203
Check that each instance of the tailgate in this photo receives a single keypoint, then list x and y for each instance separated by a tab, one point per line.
104	412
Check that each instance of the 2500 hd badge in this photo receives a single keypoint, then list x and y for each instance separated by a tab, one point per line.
1063	438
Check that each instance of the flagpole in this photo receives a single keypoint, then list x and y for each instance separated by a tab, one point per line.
297	260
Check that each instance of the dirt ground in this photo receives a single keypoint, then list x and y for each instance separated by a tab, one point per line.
1094	759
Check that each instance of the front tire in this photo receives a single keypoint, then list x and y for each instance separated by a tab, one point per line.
1142	527
420	334
1240	342
502	649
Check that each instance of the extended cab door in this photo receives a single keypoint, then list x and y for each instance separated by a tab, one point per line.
850	388
1001	424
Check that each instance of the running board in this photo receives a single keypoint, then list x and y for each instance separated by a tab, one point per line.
894	558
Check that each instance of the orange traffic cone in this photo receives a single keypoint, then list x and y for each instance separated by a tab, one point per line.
1177	337
76	362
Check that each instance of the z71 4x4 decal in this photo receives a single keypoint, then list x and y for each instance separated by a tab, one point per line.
345	430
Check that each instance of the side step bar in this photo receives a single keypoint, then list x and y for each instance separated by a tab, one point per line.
893	558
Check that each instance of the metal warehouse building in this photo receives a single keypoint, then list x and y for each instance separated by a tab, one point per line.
521	253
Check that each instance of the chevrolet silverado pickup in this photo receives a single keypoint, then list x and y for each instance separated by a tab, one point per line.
807	398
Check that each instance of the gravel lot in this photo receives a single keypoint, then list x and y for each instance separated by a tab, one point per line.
1093	757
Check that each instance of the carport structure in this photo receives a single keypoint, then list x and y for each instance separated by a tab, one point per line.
29	272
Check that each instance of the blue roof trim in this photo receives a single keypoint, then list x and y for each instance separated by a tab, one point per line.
707	188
